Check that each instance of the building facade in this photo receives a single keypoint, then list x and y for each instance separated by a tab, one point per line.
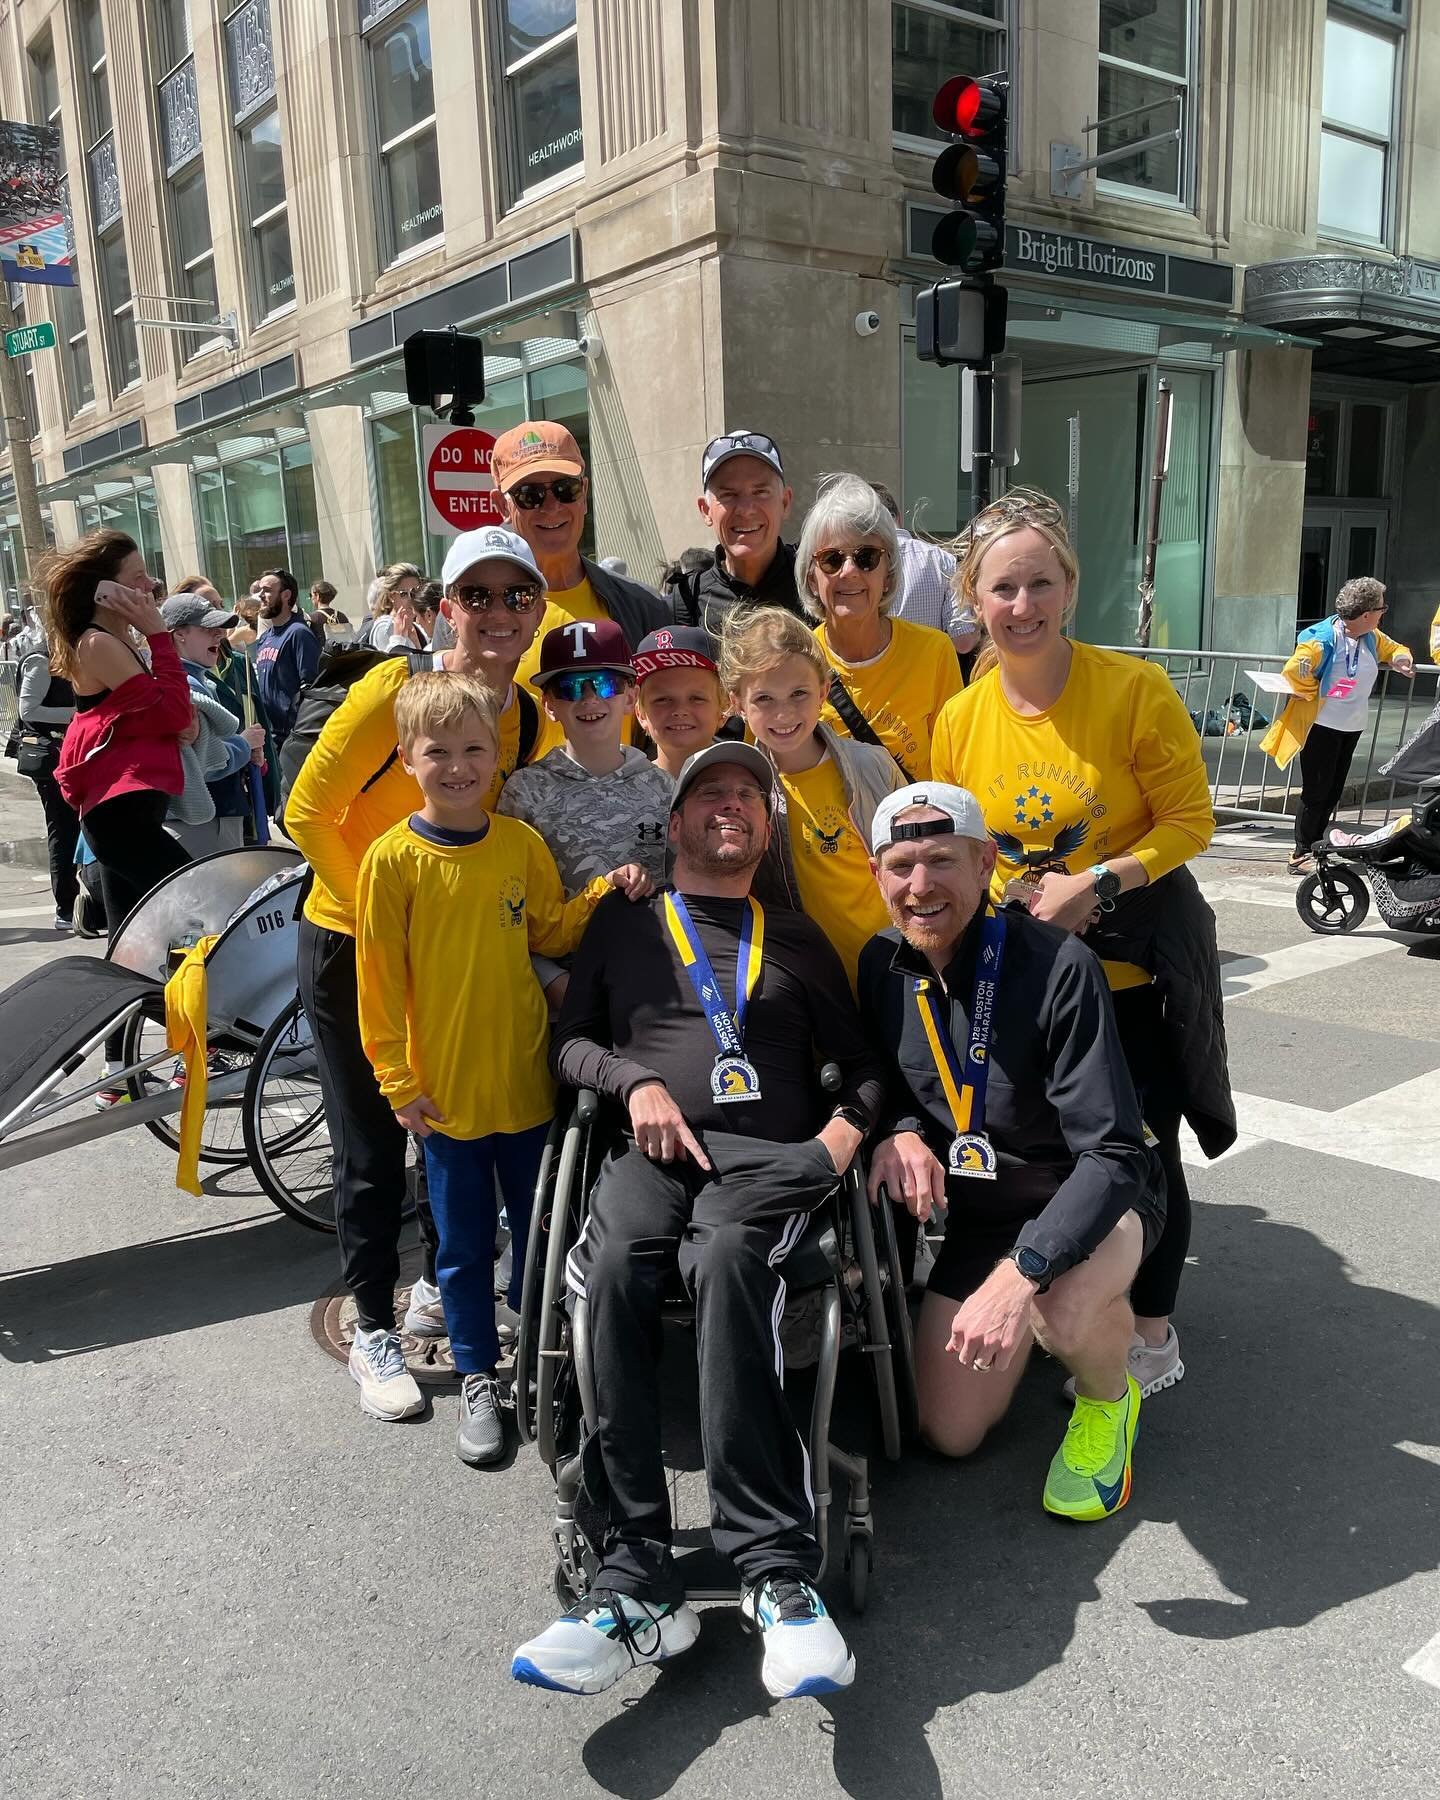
669	217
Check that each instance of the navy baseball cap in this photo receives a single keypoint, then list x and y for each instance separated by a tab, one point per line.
676	647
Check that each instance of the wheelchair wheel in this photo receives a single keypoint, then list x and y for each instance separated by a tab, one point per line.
286	1138
857	1569
527	1338
1334	902
552	1332
222	1136
897	1318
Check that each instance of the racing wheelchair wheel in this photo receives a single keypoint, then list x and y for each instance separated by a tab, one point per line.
222	1137
286	1138
1333	901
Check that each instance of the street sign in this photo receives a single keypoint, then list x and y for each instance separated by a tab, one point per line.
30	337
460	491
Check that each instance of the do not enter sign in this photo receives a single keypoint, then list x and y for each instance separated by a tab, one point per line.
460	491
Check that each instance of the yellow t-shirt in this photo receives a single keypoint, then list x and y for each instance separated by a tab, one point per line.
832	862
1435	636
1112	769
901	691
458	1013
562	607
334	816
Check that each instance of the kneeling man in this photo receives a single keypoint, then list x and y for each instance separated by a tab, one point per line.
1010	1101
706	1019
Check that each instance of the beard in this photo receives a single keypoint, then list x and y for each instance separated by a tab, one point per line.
272	609
712	856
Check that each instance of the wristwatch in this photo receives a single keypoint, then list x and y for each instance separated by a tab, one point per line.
852	1115
1107	886
1033	1266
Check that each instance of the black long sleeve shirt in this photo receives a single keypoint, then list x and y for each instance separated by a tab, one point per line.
631	1015
1060	1107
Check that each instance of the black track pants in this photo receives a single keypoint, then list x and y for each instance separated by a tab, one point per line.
728	1232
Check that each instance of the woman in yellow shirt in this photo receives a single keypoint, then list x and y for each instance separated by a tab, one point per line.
890	676
1091	778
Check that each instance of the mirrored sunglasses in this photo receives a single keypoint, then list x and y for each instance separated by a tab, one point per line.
529	496
604	684
480	599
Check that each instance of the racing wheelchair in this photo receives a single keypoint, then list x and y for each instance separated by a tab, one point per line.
837	1267
262	1095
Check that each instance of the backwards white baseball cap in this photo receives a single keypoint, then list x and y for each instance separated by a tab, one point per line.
963	816
491	543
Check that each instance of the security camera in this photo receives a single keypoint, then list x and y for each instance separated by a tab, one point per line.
866	324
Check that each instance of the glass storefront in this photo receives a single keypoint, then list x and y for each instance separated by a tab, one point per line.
127	505
255	509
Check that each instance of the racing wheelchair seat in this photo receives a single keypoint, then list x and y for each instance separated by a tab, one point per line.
836	1266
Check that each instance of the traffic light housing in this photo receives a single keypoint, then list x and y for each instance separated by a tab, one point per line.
960	322
970	172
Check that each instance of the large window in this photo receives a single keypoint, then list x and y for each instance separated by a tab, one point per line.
402	88
122	342
931	40
66	307
127	506
189	206
257	510
262	170
1145	87
25	364
1357	129
93	68
542	90
112	268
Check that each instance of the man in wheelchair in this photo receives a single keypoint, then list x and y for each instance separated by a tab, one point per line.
706	1019
1004	1057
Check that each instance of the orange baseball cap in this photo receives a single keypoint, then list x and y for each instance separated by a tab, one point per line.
536	447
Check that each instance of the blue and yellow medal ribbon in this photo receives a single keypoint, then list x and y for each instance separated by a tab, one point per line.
964	1085
727	1026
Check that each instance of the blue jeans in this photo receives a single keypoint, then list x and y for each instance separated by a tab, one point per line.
463	1173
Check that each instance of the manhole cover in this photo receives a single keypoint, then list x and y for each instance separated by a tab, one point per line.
332	1324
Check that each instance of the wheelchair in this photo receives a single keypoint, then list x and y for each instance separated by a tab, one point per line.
262	1102
838	1263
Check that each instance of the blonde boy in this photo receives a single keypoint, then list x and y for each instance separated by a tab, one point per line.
681	700
450	904
826	786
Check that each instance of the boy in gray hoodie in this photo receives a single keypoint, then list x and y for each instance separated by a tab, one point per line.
593	798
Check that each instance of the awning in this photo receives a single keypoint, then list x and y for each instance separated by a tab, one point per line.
1375	319
1220	331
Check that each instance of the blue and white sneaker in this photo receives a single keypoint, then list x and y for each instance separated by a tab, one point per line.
804	1651
602	1638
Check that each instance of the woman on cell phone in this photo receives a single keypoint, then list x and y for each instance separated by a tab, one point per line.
120	761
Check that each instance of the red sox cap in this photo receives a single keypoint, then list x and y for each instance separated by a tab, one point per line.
583	644
676	647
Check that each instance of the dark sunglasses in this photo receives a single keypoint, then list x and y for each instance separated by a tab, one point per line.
530	495
481	599
867	558
604	684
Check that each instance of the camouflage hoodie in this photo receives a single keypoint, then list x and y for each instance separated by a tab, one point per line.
594	823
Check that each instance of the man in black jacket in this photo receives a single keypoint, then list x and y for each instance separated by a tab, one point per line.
705	1018
540	471
1004	1059
744	500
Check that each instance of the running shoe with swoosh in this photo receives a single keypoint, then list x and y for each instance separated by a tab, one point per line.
1090	1473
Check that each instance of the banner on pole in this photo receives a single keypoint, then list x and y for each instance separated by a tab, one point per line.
35	242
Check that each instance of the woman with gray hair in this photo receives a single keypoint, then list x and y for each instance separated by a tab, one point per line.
889	677
1333	670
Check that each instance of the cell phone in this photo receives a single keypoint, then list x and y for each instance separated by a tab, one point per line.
109	593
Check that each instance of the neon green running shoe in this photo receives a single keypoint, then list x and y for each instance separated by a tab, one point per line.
1090	1474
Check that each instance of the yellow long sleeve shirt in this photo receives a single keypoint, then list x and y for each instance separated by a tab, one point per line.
901	691
341	804
449	1002
1112	769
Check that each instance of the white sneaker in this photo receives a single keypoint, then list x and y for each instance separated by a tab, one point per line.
804	1651
602	1638
387	1388
425	1316
1154	1367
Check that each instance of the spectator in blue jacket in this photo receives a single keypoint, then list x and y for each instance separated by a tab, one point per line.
287	654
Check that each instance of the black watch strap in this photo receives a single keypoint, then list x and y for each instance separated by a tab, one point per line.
852	1115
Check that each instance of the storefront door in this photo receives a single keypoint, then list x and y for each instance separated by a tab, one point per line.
1336	545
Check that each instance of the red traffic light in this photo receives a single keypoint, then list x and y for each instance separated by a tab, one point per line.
970	108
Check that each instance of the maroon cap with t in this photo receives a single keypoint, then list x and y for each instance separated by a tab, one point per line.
583	644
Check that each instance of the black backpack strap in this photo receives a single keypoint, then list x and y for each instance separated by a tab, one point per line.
419	661
856	723
529	725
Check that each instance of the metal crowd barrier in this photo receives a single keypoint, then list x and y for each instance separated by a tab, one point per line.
9	698
1232	715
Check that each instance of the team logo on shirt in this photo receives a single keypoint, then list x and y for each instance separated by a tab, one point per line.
826	831
512	904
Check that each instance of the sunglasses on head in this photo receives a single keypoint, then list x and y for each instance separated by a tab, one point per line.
742	440
530	495
867	558
604	684
480	599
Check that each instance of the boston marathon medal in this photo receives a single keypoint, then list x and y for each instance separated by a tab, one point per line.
734	1078
973	1155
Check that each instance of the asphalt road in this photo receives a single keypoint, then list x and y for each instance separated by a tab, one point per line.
219	1579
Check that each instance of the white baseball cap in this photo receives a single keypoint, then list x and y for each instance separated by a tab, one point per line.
491	543
958	804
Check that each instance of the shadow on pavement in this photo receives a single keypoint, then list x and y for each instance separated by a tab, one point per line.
1276	1457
